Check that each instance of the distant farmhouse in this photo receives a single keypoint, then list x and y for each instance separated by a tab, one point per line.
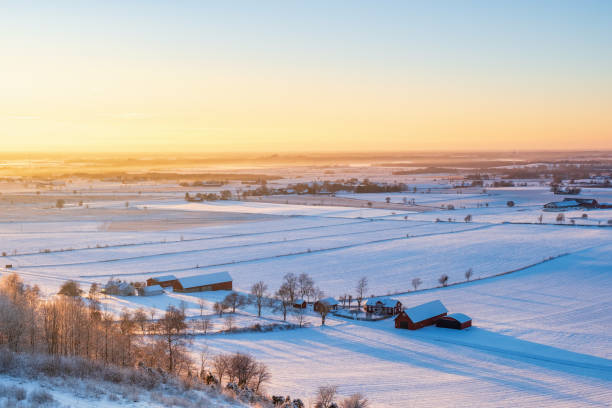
152	290
299	304
575	203
330	302
423	315
197	283
383	306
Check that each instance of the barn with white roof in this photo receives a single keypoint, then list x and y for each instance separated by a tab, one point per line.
420	316
457	321
203	283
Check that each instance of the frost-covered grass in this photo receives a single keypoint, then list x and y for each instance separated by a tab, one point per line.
31	380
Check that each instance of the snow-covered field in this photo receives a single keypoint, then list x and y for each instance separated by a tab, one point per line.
541	337
541	334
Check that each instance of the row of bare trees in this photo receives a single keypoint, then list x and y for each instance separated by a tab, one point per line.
67	325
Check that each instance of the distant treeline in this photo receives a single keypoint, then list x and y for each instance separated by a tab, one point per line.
161	176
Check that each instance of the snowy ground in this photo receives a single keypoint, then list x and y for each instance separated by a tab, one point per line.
541	335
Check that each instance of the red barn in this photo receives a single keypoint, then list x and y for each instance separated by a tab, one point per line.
163	281
299	304
203	283
457	321
420	316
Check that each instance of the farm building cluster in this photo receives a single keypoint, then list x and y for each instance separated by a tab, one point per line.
431	313
196	283
157	285
572	203
427	314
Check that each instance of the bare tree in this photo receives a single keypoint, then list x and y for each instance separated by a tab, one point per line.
323	309
362	288
305	286
220	365
540	217
560	218
300	315
468	274
70	288
443	279
355	401
206	324
283	299
234	300
140	318
416	282
468	218
258	290
172	327
291	284
219	308
229	322
325	396
202	305
262	375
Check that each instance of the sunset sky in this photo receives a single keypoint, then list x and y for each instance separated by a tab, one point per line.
157	75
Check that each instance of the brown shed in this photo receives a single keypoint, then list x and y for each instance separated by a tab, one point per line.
163	281
420	316
299	304
457	321
204	283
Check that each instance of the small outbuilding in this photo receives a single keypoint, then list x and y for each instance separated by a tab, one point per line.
152	290
299	304
420	316
163	281
204	283
330	302
383	306
457	321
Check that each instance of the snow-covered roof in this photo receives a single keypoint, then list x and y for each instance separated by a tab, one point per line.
330	301
153	288
570	203
298	301
203	280
165	278
386	302
425	311
460	317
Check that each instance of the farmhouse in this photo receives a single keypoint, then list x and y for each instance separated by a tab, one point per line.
332	304
152	290
204	283
163	281
117	287
420	316
562	205
569	203
457	321
383	306
299	304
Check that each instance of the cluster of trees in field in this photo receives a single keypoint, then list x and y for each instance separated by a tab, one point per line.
329	187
